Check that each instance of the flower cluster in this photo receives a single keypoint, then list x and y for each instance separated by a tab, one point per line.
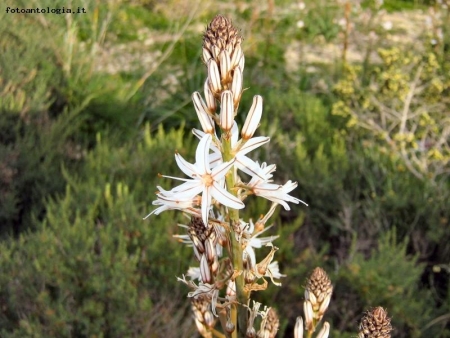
214	192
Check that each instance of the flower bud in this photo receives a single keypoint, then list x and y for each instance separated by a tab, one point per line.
298	329
236	86
236	57
226	111
209	97
214	76
204	270
224	59
206	55
309	315
202	112
325	331
209	319
253	118
229	326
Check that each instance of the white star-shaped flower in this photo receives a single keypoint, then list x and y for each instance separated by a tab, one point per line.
207	181
254	242
169	201
240	148
260	185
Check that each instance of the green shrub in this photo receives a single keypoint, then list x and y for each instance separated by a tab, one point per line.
94	267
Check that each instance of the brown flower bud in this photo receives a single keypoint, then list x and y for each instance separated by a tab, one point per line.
375	324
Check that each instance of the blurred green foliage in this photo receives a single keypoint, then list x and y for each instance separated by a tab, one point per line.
86	126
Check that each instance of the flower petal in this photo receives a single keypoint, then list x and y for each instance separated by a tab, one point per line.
249	167
225	198
206	204
221	170
199	133
202	155
234	134
188	189
253	144
157	211
186	167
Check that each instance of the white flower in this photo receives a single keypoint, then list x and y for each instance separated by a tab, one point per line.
243	147
204	180
274	192
169	201
255	242
239	149
206	290
273	271
194	273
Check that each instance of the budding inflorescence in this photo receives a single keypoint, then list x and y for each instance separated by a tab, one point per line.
375	324
318	291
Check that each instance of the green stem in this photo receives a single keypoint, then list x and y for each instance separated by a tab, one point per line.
236	248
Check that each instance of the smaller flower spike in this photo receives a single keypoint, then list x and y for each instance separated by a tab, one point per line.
375	324
318	293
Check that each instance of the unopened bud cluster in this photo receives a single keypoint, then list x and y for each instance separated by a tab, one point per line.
223	56
318	293
375	324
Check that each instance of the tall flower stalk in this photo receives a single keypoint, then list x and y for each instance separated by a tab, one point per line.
214	193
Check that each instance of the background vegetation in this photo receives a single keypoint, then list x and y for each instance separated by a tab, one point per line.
93	106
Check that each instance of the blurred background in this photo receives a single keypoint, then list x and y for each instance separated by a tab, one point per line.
93	107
